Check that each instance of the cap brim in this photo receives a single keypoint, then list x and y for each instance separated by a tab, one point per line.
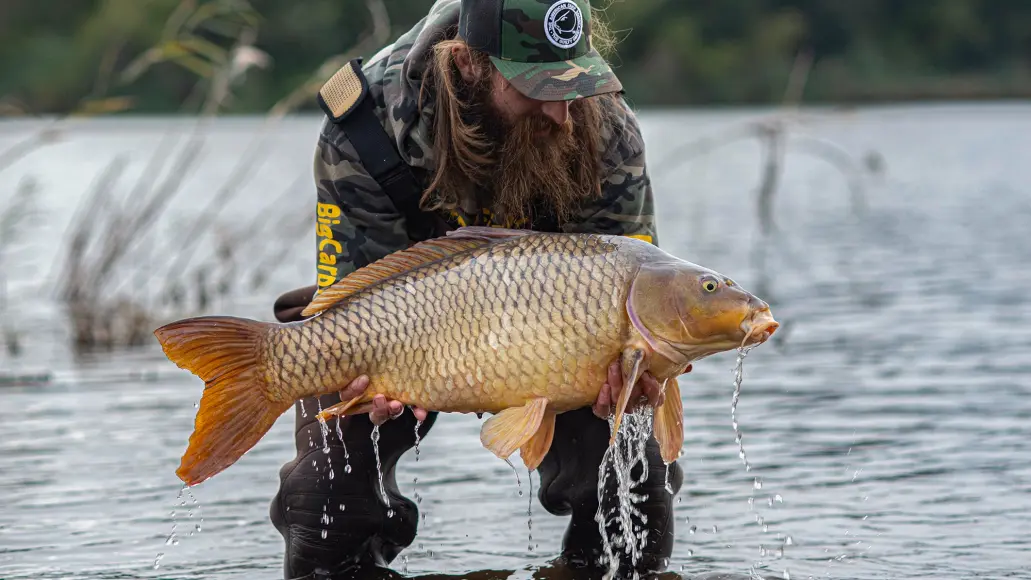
586	76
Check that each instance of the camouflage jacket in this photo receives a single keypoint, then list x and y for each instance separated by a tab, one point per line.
356	221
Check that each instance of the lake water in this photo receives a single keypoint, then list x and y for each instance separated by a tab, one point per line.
888	423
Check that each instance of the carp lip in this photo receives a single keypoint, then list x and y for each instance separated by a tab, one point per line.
759	327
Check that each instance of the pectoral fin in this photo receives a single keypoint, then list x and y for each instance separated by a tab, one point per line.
669	423
534	450
510	429
632	370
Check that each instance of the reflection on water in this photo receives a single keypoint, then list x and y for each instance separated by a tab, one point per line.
886	422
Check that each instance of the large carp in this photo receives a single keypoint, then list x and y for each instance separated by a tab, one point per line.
520	324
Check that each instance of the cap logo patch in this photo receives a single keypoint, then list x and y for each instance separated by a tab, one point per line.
564	24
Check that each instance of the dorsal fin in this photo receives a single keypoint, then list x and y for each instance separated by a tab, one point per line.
402	261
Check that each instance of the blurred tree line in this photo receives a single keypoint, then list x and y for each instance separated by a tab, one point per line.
58	56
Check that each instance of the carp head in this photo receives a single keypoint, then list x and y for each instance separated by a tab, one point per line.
686	312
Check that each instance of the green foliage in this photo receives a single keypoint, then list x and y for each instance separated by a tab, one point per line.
60	56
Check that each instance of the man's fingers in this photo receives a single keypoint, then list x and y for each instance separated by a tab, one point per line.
355	388
380	412
602	407
651	389
420	413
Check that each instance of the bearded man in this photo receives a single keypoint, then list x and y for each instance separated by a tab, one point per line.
488	112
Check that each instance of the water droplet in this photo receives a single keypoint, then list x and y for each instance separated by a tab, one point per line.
789	541
157	561
390	513
342	507
758	484
715	529
331	474
324	534
693	529
778	499
347	468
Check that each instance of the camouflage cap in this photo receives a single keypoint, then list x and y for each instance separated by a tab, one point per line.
543	47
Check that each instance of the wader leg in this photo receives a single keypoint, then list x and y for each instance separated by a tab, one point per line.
331	524
569	486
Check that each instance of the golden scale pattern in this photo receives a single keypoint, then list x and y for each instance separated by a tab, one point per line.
443	336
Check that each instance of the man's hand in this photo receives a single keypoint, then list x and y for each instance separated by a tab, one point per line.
382	408
646	391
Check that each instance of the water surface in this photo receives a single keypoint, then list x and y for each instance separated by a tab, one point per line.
887	424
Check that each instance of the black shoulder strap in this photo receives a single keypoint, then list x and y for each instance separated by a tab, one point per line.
344	99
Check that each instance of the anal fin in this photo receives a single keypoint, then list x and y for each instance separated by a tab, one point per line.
534	450
669	423
510	429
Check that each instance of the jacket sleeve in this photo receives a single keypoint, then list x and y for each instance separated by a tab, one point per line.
356	223
626	206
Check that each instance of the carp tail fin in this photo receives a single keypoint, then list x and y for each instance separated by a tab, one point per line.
235	409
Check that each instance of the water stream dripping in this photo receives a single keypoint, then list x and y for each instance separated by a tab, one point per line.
415	480
173	539
623	456
519	482
529	512
379	470
347	456
196	505
757	483
324	427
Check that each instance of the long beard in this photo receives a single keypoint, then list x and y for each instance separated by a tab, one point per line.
540	167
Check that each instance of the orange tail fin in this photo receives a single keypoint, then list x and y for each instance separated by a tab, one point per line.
235	412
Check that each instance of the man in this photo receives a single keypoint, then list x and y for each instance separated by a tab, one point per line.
488	112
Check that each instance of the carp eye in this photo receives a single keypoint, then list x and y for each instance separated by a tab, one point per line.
710	285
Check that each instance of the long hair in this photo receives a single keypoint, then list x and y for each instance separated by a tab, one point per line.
468	158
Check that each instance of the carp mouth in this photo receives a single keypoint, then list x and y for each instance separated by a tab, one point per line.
759	327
